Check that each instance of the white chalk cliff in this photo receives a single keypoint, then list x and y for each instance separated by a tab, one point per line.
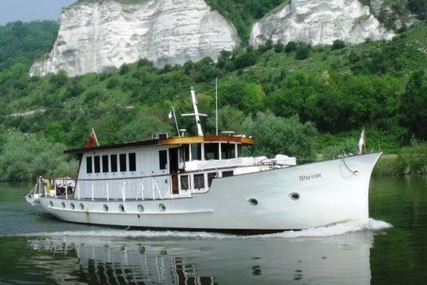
319	22
100	36
103	35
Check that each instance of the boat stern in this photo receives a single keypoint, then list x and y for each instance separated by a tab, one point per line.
33	199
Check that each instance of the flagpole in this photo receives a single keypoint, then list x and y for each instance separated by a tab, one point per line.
96	139
364	140
176	123
216	104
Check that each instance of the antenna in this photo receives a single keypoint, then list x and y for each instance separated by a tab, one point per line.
196	113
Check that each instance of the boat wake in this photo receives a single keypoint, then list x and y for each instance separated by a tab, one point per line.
374	226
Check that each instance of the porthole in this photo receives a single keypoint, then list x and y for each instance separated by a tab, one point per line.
121	208
140	208
105	208
162	207
294	196
82	207
72	206
50	204
63	205
253	201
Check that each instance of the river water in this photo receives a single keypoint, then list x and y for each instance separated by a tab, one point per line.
35	248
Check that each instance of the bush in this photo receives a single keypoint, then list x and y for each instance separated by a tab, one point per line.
338	44
391	166
302	53
291	46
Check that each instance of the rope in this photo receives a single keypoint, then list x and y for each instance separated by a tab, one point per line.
355	172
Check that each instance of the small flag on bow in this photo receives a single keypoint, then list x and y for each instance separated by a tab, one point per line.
361	142
170	115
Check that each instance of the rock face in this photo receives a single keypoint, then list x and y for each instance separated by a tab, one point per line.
319	22
100	36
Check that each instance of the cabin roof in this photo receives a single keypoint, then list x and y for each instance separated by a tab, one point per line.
167	141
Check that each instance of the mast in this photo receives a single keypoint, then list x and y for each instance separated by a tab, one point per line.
196	113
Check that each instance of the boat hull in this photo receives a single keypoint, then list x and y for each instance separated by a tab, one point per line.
294	198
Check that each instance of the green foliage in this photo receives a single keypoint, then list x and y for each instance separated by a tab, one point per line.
239	94
276	135
419	8
26	156
25	42
394	165
376	85
144	126
411	160
291	46
416	156
303	51
243	13
414	100
338	44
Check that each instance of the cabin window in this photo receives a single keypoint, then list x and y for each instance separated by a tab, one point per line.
113	160
97	163
163	159
122	160
105	167
199	181
132	161
196	151
184	182
212	151
89	164
211	176
227	173
228	150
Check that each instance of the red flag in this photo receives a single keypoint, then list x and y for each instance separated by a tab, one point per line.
92	138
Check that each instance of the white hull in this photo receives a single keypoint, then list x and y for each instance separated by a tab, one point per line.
294	198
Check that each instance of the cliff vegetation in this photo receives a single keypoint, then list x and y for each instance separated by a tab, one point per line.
294	99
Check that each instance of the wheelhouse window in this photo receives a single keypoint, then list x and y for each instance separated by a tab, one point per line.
184	153
97	163
132	161
113	160
105	167
196	151
228	150
212	151
163	159
123	162
89	164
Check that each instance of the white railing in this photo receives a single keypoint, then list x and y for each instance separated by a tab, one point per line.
124	189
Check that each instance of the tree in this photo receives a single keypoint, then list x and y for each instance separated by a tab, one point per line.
303	51
276	135
413	105
338	44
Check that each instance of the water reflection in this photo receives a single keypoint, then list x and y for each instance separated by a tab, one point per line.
199	258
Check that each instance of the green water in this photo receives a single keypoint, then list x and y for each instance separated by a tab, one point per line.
36	248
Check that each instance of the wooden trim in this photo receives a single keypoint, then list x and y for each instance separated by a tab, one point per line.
167	141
